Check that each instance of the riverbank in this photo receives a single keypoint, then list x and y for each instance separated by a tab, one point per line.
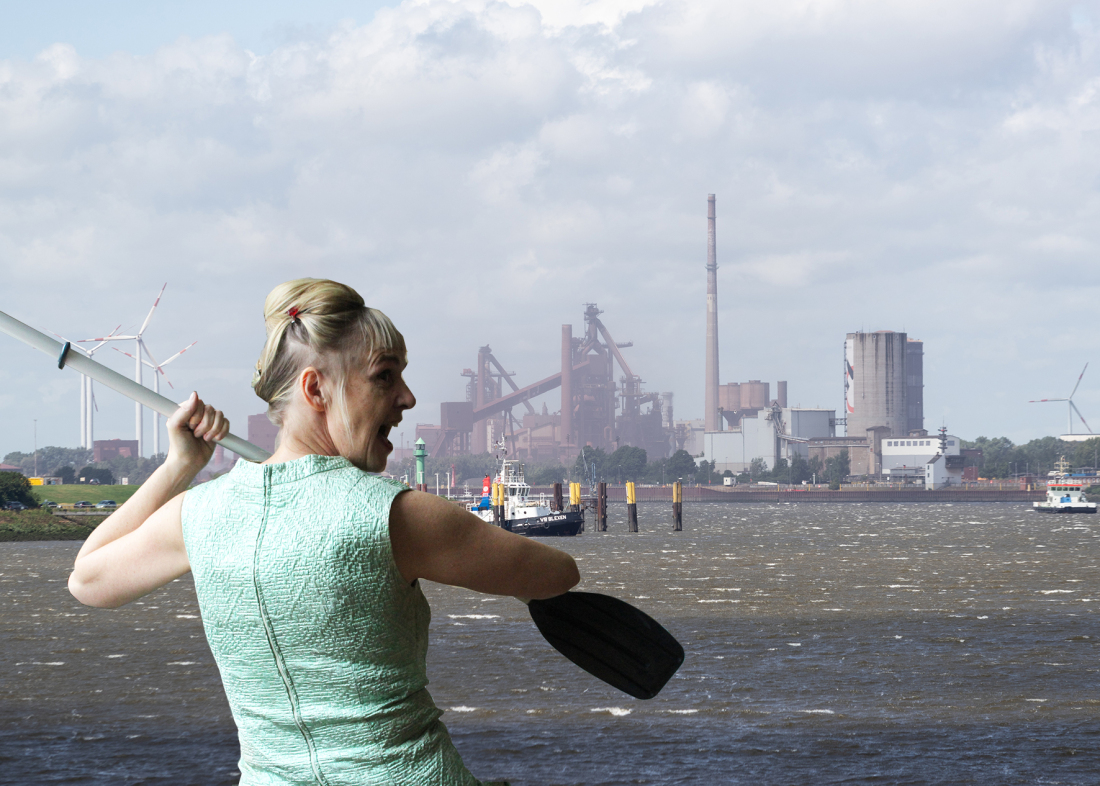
616	494
41	524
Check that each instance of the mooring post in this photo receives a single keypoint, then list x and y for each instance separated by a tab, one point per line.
631	507
498	517
601	507
575	497
677	507
556	503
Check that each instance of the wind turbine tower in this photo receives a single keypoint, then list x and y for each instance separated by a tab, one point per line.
158	372
139	350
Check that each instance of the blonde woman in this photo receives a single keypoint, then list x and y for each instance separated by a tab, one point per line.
307	566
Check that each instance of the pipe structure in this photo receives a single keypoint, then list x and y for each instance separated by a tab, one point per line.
677	507
567	384
712	420
511	383
115	381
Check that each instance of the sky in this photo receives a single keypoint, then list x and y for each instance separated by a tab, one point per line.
480	170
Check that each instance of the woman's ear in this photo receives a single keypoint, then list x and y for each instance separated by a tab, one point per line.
309	382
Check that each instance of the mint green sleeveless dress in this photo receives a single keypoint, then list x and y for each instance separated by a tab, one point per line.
320	643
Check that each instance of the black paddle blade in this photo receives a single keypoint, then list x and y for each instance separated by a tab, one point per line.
610	639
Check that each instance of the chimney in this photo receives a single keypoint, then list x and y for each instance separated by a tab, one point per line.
567	384
712	421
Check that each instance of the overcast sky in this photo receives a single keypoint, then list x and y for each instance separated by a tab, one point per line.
480	170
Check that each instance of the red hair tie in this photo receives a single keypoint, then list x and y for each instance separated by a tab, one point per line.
293	313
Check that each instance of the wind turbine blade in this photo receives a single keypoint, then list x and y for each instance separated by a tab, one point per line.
1041	400
1086	368
157	367
156	303
165	363
149	354
1081	416
127	354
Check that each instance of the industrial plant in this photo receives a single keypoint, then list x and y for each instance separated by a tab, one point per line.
603	405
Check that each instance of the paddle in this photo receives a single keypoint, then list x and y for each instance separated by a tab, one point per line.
610	639
607	637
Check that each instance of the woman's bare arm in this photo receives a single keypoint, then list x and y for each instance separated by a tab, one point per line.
437	540
140	546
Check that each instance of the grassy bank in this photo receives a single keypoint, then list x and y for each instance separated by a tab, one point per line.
78	492
43	525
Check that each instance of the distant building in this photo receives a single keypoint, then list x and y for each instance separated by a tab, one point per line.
769	434
262	432
909	457
11	468
914	384
107	449
875	384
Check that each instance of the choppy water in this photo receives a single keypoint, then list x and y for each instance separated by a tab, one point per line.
826	643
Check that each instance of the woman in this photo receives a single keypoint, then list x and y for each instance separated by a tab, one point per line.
306	567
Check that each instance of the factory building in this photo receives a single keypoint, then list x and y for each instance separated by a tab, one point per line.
875	383
599	407
769	433
914	385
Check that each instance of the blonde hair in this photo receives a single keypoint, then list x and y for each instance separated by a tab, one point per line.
320	323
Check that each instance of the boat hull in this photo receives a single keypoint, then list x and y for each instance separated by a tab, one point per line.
1065	508
564	524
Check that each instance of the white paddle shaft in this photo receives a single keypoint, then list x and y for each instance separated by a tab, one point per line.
115	381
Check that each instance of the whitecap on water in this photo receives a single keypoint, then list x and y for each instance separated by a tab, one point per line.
474	616
616	711
463	709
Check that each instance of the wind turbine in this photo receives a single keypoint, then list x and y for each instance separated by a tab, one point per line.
139	347
87	393
1072	406
158	372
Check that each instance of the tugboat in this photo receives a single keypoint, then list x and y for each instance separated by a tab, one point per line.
1065	494
521	514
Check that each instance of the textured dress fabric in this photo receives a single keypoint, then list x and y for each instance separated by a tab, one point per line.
320	642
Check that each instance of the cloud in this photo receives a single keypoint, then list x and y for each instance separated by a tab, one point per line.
482	169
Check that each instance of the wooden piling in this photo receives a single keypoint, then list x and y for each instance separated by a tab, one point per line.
601	507
556	502
498	509
631	507
677	507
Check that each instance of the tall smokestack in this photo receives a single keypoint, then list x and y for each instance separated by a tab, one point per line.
480	437
712	421
567	384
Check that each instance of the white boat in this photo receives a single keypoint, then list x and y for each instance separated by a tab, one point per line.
1065	493
523	515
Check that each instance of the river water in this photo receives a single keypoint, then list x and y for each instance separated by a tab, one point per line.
826	643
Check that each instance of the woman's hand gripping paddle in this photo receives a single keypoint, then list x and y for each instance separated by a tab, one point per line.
610	639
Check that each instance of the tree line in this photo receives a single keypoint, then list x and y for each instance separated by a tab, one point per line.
629	463
1002	459
72	464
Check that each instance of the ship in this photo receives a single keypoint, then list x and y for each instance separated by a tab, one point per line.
520	513
1065	493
